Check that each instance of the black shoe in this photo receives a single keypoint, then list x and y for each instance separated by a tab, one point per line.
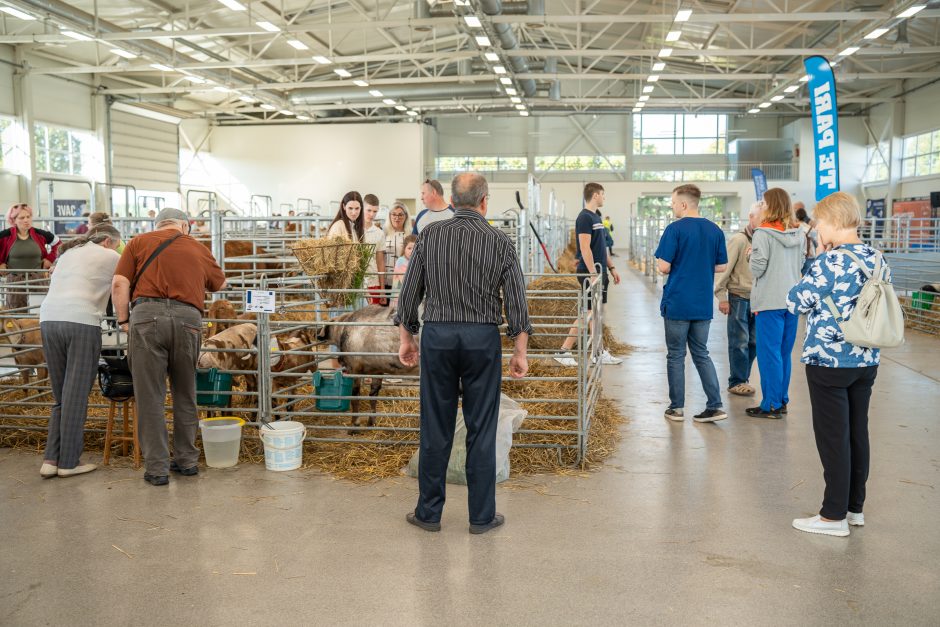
497	521
156	479
186	472
710	415
757	412
417	522
783	410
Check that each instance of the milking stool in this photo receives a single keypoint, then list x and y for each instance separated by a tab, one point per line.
128	431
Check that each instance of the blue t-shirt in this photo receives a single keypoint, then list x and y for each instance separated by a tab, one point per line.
694	246
589	223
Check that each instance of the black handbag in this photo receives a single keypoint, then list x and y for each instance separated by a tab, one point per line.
114	378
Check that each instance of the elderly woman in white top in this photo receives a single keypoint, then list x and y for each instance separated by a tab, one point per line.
70	322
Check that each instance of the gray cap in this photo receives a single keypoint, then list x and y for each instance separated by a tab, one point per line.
170	214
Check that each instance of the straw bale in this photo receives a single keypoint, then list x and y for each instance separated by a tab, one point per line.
341	264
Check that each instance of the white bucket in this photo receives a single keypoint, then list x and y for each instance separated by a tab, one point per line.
283	444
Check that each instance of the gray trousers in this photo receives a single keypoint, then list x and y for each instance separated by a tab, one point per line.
72	353
163	340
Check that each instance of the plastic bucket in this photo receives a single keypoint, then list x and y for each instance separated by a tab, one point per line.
922	300
221	440
283	444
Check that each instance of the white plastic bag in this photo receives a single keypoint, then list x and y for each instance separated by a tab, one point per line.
511	416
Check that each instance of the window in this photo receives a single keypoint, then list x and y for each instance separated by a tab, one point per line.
681	176
580	163
64	151
482	164
7	141
679	134
920	155
876	167
712	207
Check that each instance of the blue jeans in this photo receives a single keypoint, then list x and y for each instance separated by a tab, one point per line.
742	340
776	334
695	334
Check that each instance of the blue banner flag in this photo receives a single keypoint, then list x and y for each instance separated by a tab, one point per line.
822	99
760	182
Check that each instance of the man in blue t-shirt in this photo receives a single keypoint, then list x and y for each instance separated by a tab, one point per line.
435	207
690	252
592	251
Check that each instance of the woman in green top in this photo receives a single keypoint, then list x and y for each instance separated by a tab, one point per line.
24	247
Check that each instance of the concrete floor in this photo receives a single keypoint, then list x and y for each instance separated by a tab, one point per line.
688	524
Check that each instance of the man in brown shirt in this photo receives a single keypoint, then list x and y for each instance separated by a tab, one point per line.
164	334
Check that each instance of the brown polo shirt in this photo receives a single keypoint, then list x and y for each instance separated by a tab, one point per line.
184	271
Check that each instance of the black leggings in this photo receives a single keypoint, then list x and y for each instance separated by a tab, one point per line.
840	397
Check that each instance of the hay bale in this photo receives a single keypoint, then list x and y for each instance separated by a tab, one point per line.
339	263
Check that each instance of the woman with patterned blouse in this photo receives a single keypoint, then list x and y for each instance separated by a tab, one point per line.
840	375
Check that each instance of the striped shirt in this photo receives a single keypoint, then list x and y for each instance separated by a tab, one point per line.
459	267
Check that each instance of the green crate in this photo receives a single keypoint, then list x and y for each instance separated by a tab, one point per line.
922	300
329	388
210	387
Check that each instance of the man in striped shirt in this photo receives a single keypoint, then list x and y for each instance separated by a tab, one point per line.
458	268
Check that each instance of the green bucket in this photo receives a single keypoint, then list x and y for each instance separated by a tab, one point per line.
329	388
922	300
211	386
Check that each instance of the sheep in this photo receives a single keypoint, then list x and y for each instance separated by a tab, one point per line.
367	339
24	331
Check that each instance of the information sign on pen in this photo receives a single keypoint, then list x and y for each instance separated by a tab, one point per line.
259	301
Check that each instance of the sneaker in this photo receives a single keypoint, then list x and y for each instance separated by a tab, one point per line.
609	360
676	414
815	524
857	520
566	359
783	409
47	471
156	479
757	412
710	415
78	470
742	389
186	472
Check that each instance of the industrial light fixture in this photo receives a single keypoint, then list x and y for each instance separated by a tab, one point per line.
76	36
499	69
303	118
234	5
401	107
321	60
652	78
123	53
389	101
659	67
247	99
195	79
515	100
472	21
17	14
524	114
375	93
342	72
673	35
483	41
911	11
764	105
510	91
268	26
413	113
665	52
360	83
753	110
648	89
804	78
161	67
491	56
520	107
285	112
505	80
878	32
223	89
644	97
791	89
637	109
849	51
777	98
268	107
297	44
683	15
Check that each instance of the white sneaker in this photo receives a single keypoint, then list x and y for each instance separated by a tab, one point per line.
676	414
609	360
78	470
817	525
48	471
857	520
566	359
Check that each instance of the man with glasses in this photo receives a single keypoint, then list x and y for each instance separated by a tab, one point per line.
436	208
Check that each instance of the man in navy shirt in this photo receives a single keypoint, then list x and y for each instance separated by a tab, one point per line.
691	250
592	250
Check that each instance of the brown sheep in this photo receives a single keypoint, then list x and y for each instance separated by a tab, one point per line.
367	339
24	331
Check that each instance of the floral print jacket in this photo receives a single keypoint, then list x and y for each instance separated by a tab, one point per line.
833	274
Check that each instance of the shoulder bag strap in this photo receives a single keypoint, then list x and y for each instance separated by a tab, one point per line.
152	256
861	265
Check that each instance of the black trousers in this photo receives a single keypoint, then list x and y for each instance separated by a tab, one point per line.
840	398
453	355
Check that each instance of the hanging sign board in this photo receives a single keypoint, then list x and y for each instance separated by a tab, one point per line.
760	183
822	99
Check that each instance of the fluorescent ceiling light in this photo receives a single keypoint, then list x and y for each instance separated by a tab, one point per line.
321	60
233	5
878	32
644	97
491	56
483	40
648	89
521	107
753	110
401	107
515	100
764	105
389	101
195	79
223	89
499	69
524	114
123	53
285	112
268	107
248	99
297	44
637	109
849	51
472	21
17	14
917	8
360	83
342	72
76	36
375	93
161	67
268	26
665	52
652	78
639	105
510	91
804	78
684	15
413	113
791	89
673	35
505	80
659	67
777	98
303	118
